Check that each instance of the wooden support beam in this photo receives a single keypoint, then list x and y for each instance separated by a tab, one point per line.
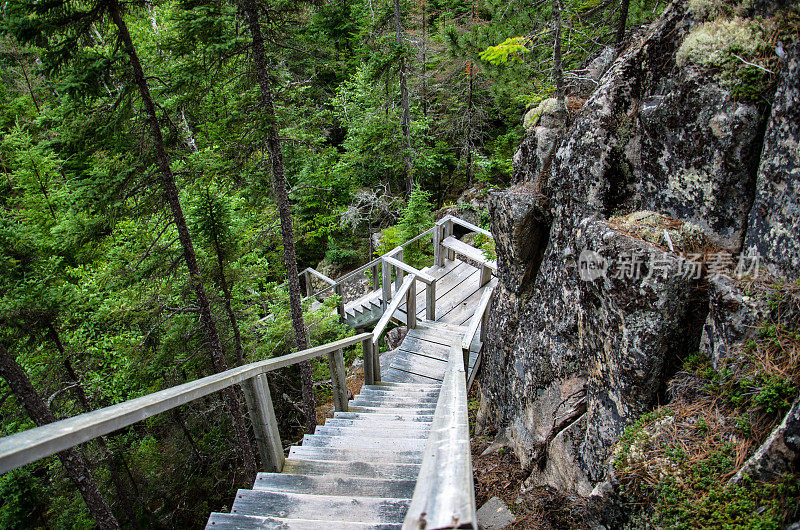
376	280
269	445
486	274
369	362
430	301
411	305
386	271
339	391
398	273
337	289
438	257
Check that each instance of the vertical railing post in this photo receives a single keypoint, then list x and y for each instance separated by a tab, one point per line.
369	362
337	288
336	365
376	281
398	273
268	439
448	231
485	317
486	274
411	304
437	244
430	300
376	362
386	271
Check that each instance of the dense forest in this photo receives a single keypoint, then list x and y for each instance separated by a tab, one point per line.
168	164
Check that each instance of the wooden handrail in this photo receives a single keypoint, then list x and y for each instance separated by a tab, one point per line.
31	445
444	496
421	276
479	318
352	274
319	275
469	226
399	296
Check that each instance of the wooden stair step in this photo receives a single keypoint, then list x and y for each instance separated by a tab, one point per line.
394	403
232	521
389	410
392	384
399	392
355	468
323	440
377	424
382	416
334	485
334	507
357	454
371	431
394	374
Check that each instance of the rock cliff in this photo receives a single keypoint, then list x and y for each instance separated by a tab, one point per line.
622	241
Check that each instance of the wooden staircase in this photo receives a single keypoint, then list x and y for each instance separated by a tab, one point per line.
359	470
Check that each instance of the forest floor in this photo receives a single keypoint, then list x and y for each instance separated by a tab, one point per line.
499	474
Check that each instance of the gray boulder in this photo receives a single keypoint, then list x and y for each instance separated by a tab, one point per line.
774	221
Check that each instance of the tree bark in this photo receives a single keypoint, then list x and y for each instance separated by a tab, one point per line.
623	21
558	74
211	333
405	105
72	461
282	199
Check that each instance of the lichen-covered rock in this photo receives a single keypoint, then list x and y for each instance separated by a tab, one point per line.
733	317
779	454
545	126
521	222
653	136
774	221
636	324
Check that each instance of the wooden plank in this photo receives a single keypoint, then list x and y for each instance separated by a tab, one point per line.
421	276
268	438
334	485
395	470
436	335
321	276
477	318
445	491
455	285
468	251
461	314
421	366
339	454
426	347
233	521
380	328
335	508
401	376
469	226
31	445
454	274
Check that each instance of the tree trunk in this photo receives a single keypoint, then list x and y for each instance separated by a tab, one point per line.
405	119
72	461
171	193
126	499
468	129
424	95
282	199
558	74
623	21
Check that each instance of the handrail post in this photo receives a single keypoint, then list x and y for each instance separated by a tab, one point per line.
430	301
376	362
337	289
268	439
369	362
437	243
411	305
486	274
375	278
336	365
386	271
398	273
448	231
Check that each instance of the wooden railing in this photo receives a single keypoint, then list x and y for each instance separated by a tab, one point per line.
444	496
31	445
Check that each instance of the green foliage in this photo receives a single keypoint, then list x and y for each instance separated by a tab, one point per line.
510	49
